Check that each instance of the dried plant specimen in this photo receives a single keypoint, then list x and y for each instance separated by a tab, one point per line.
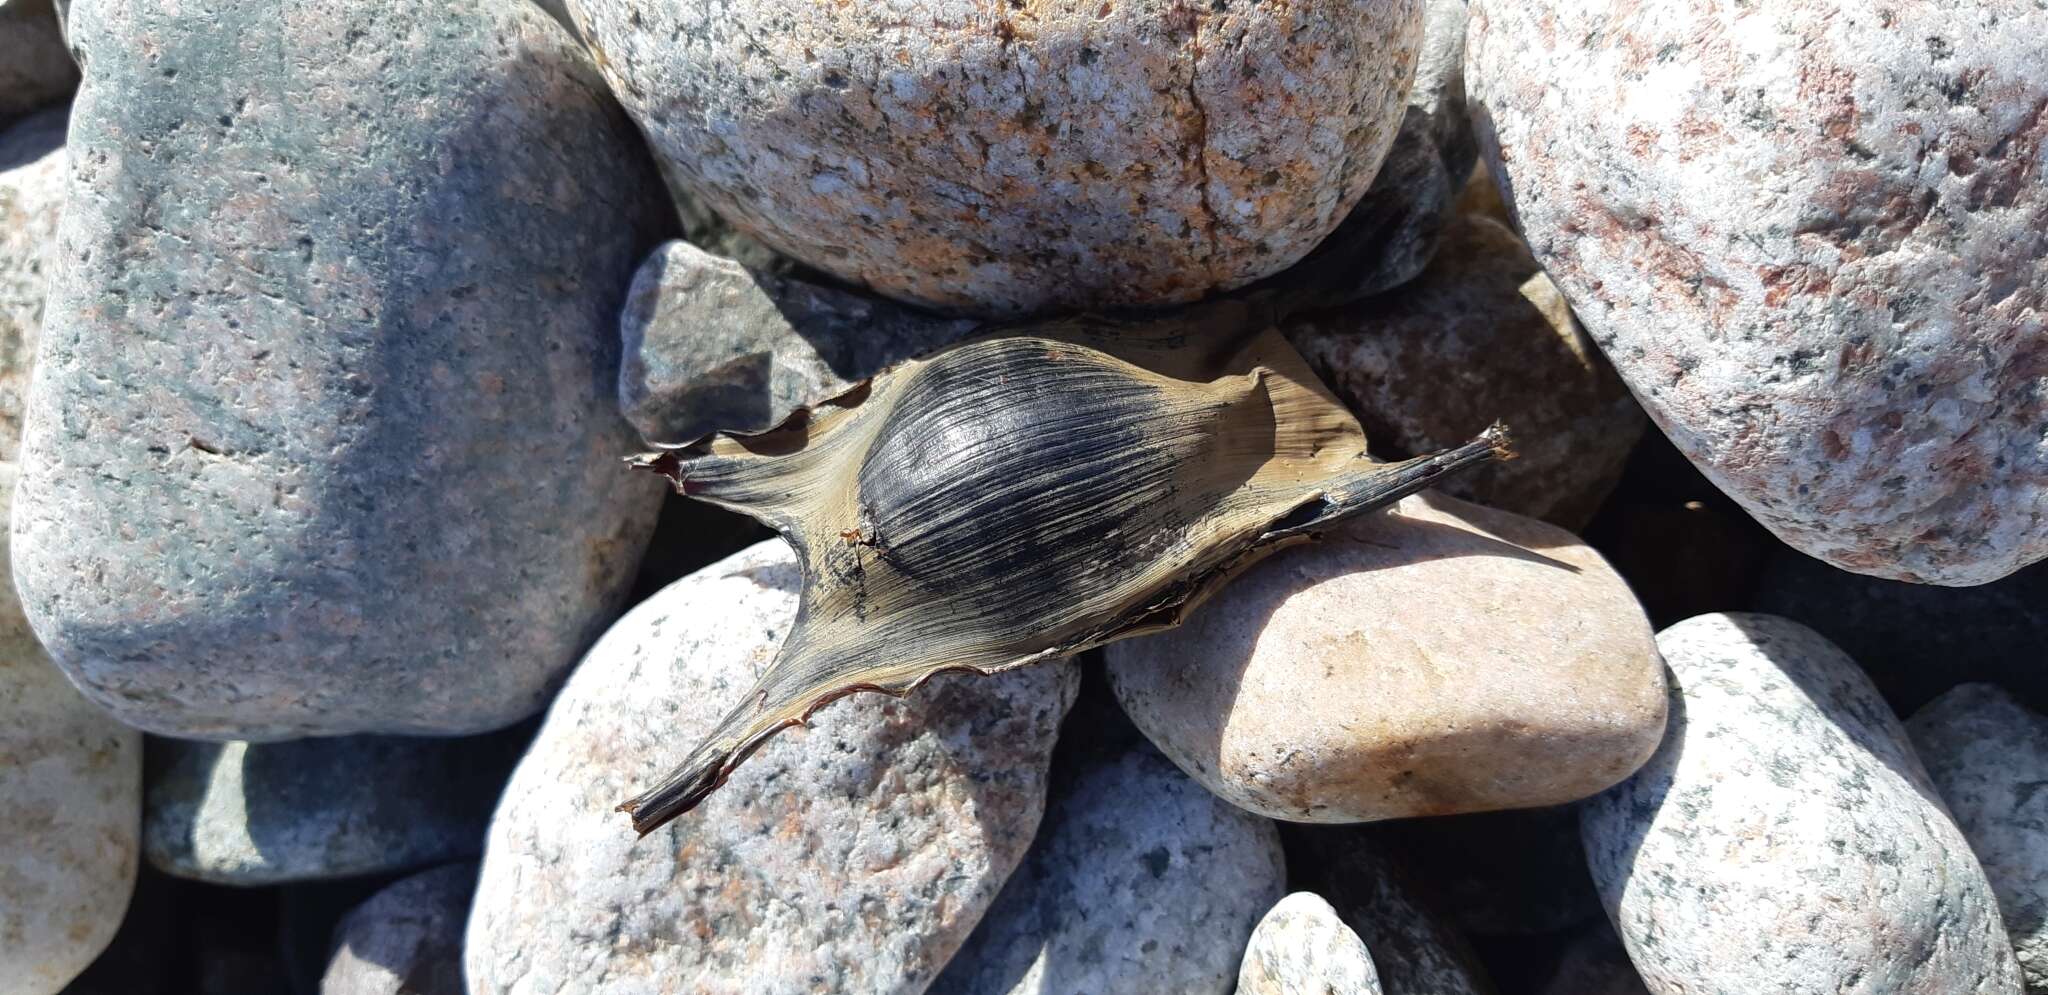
1026	495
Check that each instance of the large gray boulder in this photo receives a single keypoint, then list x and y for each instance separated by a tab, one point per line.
323	440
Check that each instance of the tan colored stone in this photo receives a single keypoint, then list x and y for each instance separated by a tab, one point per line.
1010	157
1439	658
1483	335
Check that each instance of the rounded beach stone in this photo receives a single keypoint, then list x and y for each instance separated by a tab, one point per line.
324	437
315	809
406	940
35	70
1409	664
1302	948
1063	154
1139	881
1809	235
1785	838
1482	336
31	200
70	805
1988	756
852	855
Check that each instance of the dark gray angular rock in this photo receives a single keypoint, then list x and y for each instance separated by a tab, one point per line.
1415	947
713	345
318	809
1785	837
1988	755
407	939
35	70
1596	964
1139	881
324	438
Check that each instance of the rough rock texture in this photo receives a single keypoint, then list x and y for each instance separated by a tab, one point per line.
1013	158
312	809
854	855
1139	881
1917	641
712	345
1809	235
1415	948
1324	685
1988	756
1785	838
406	940
1596	964
1302	948
31	200
324	438
1482	335
1520	872
35	70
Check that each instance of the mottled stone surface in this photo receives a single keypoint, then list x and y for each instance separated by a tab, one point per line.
1914	640
311	809
1596	964
1012	158
1139	881
324	438
1785	838
70	802
1302	948
712	345
1809	235
1988	756
1482	336
406	940
1416	950
1409	664
35	70
31	200
854	855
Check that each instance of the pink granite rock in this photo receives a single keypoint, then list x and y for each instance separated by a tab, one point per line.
1810	236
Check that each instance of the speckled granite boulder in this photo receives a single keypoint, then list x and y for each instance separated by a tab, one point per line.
1482	335
1047	155
1302	948
1809	234
854	855
1410	664
70	804
712	345
1415	949
1988	756
31	200
313	809
1785	838
35	70
324	438
1139	881
406	940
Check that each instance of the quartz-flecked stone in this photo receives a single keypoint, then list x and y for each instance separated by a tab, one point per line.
31	200
1988	756
313	809
1139	881
35	70
406	940
1785	837
1018	157
711	345
853	855
70	805
1409	664
1302	948
323	438
1482	336
1809	235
